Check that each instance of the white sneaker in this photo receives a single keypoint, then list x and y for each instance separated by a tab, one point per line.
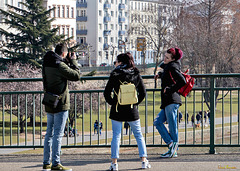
113	166
146	165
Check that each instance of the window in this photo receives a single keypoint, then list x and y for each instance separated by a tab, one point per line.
83	13
54	13
112	13
82	26
100	26
82	40
100	1
105	40
78	28
112	27
68	32
67	12
72	32
63	11
63	30
100	53
112	1
72	12
100	12
100	40
58	12
112	39
126	27
106	54
105	26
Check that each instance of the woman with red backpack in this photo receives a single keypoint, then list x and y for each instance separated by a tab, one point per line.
171	81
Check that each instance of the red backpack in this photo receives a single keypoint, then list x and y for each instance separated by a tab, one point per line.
184	91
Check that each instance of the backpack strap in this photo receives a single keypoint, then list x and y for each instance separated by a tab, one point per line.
172	78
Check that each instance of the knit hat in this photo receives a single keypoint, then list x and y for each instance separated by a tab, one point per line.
176	53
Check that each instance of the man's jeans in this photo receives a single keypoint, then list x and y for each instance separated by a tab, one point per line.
136	128
53	138
168	114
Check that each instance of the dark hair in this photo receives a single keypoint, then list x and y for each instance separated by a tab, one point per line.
126	59
60	48
176	53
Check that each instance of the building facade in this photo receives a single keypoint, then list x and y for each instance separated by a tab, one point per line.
107	28
102	25
148	19
64	14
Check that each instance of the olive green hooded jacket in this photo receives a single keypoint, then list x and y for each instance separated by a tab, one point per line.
56	74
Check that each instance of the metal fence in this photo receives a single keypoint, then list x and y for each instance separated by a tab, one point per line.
23	119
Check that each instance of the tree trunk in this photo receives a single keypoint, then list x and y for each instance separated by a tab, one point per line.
21	124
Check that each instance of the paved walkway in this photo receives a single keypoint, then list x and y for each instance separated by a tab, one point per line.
87	160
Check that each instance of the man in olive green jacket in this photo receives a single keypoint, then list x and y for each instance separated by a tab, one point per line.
58	68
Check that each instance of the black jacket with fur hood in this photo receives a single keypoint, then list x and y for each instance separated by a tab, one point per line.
124	112
171	96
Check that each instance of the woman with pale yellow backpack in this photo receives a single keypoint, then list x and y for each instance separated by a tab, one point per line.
125	72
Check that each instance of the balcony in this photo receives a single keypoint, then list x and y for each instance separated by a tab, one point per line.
81	18
121	33
81	32
121	6
81	5
107	19
107	5
107	32
105	46
121	19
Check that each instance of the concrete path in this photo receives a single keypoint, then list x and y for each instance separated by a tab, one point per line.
99	161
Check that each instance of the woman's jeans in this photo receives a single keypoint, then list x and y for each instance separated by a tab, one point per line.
53	138
136	128
169	114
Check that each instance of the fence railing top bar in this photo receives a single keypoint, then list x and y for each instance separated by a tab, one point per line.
107	77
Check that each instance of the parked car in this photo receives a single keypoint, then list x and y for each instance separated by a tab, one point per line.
104	64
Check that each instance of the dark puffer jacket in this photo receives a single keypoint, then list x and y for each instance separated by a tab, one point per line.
124	112
57	74
171	96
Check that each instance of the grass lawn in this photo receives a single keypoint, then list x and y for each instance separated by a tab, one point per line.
194	105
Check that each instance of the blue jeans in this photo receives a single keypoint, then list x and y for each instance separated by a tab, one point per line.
136	128
169	114
53	138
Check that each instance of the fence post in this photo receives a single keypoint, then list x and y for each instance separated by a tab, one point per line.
212	115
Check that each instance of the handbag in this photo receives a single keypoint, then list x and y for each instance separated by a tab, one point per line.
50	99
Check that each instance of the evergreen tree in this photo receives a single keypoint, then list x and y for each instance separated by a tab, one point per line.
29	34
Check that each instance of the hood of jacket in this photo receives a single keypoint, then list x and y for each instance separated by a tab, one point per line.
51	59
124	74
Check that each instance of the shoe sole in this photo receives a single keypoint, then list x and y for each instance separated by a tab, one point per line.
174	156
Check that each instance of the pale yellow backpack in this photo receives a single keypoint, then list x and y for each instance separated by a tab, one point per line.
127	94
